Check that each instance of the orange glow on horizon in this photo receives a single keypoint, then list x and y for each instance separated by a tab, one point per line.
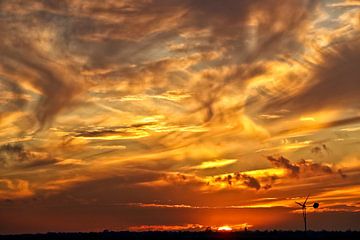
225	228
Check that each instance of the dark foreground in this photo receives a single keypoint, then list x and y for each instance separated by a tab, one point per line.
190	235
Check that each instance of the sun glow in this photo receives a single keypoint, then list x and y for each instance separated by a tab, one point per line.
225	228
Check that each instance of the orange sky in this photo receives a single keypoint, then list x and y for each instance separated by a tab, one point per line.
178	114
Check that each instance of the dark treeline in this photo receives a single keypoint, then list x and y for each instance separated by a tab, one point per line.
190	235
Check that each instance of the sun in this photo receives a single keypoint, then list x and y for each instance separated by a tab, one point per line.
225	228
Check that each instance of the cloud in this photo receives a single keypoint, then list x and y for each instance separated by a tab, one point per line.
334	81
320	149
74	37
91	31
131	131
346	3
303	167
265	178
14	188
56	93
282	162
112	134
32	56
62	183
267	27
187	227
322	125
243	179
13	97
174	101
172	179
249	181
16	156
215	164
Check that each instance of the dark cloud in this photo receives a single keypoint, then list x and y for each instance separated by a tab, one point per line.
16	156
178	178
17	100
275	20
343	175
320	149
246	180
316	150
132	130
107	33
26	65
282	162
275	24
33	53
335	82
303	167
12	152
276	31
215	87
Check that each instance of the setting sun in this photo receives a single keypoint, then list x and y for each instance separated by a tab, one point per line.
225	228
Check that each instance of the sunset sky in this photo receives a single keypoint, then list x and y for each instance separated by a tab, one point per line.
179	114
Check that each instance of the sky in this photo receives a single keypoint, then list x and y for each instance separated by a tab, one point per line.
179	114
